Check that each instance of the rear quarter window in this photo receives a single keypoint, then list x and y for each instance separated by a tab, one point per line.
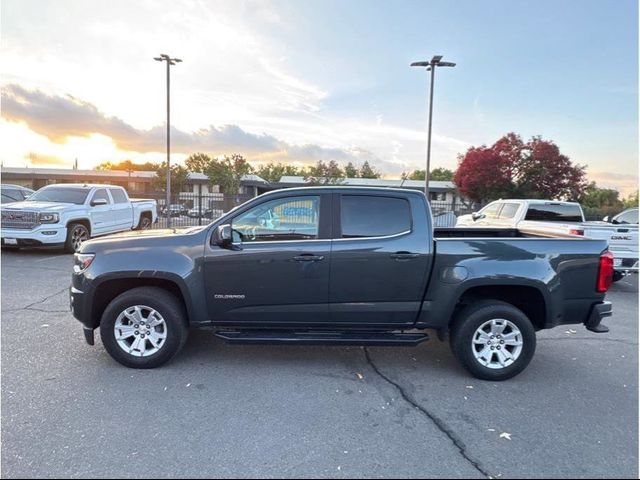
364	216
554	213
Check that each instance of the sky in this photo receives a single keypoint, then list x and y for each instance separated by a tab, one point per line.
301	81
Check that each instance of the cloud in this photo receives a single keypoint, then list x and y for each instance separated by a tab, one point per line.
624	183
60	117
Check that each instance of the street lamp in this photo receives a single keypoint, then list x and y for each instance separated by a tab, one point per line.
170	61
436	61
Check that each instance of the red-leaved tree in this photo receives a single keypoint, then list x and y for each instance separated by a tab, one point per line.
513	168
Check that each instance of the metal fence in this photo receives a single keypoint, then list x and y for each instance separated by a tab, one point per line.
192	209
446	213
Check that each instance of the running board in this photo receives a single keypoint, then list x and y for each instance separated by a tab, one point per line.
381	339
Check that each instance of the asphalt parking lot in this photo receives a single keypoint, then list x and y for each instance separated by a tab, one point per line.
68	410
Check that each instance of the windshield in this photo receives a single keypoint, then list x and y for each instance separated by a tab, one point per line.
60	195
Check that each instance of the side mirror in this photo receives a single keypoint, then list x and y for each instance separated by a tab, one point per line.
98	202
224	236
606	219
476	216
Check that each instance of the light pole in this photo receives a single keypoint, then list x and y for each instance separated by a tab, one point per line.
436	61
170	61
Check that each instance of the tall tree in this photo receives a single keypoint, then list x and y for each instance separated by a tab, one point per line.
543	172
324	173
179	178
228	172
631	201
351	171
511	167
600	197
273	172
482	175
197	162
128	165
441	174
367	171
415	175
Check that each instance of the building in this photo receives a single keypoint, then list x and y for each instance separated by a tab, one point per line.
137	183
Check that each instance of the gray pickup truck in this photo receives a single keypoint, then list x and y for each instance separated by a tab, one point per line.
341	266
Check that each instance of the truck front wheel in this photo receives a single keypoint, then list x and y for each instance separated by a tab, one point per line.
144	327
77	234
493	340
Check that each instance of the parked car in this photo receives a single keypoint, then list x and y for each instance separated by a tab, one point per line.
545	217
175	210
342	266
621	232
14	193
66	215
200	212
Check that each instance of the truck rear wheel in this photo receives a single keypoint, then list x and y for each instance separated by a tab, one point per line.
144	327
493	340
145	222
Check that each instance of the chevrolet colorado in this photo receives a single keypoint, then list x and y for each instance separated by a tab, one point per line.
339	265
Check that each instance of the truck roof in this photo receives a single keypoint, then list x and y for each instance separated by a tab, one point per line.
82	185
346	188
535	200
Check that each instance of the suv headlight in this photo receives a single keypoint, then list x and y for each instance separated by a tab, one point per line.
49	218
82	261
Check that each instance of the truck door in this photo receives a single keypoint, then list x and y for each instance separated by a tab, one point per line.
101	215
380	259
122	210
278	269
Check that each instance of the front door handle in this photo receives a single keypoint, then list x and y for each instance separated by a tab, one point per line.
308	257
400	256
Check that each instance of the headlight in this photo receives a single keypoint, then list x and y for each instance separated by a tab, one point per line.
49	218
82	261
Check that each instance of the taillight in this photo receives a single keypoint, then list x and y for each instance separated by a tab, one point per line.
605	272
575	231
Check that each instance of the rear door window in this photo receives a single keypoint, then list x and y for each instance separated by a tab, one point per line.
363	216
118	195
554	212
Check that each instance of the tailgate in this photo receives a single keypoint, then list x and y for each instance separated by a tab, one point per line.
622	239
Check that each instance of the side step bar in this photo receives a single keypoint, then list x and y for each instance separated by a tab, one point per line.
283	337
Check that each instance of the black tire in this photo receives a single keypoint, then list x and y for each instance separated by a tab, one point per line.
71	244
145	222
167	305
467	323
617	276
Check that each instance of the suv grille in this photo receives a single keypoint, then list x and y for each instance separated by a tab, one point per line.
19	219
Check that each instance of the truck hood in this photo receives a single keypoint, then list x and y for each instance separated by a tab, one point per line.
38	206
178	237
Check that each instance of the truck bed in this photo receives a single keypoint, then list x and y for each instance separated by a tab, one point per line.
493	232
472	232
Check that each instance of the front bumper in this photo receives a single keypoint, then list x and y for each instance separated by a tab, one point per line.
42	235
598	312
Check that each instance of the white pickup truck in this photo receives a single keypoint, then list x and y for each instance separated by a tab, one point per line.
554	218
66	215
621	232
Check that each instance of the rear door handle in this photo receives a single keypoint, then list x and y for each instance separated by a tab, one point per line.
404	256
308	257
